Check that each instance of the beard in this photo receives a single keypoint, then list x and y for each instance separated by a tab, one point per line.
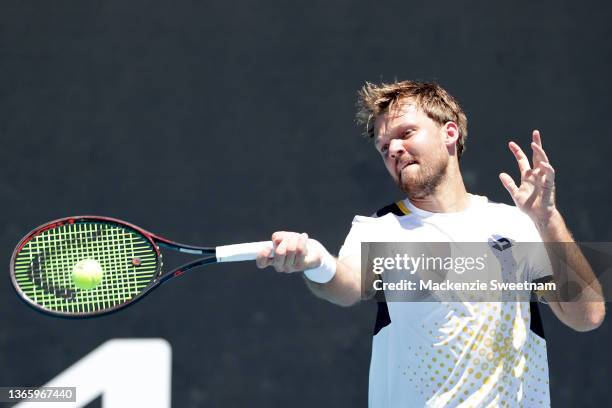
423	180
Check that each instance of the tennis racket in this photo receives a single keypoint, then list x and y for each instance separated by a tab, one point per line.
43	264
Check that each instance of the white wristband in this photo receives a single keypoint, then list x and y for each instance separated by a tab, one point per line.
324	272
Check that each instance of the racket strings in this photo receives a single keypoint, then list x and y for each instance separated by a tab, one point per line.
37	272
43	267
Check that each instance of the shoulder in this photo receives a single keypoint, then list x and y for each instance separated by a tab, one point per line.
378	226
397	208
385	216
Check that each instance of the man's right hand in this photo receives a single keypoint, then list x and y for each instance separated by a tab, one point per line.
292	252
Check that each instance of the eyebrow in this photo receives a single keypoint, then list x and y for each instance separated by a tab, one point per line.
399	129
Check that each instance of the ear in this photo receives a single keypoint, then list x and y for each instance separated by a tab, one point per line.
451	136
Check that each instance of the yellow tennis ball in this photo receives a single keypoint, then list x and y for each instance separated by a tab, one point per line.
87	274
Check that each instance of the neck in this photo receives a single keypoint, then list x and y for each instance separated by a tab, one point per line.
449	196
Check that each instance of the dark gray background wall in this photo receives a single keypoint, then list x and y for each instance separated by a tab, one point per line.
213	122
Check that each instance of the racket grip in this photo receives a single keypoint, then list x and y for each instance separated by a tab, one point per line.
241	252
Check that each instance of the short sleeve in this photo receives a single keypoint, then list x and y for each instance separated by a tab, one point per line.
364	229
352	242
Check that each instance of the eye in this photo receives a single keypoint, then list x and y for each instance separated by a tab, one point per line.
384	148
407	133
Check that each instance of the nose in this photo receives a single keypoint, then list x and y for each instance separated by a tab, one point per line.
396	148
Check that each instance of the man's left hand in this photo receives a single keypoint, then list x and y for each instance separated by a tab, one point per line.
536	194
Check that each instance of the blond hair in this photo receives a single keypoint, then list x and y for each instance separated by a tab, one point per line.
377	99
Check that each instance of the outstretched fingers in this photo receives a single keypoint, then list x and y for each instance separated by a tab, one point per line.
520	156
536	137
539	155
509	184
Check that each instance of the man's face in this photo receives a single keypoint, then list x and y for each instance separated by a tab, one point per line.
413	149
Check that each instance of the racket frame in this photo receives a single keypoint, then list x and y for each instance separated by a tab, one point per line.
208	257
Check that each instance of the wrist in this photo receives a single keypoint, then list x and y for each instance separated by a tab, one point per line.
543	219
551	227
326	271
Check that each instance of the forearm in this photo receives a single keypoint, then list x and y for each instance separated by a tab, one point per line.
578	300
345	287
293	252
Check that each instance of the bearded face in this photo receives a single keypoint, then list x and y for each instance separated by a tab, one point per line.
413	149
422	178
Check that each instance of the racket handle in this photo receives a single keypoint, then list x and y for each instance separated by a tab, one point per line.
241	252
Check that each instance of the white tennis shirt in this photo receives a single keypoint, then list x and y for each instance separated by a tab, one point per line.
456	354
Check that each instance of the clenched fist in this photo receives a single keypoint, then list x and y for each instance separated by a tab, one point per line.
292	252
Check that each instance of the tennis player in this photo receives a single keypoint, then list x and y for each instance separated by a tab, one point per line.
449	354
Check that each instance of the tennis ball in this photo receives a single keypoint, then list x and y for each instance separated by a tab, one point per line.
87	274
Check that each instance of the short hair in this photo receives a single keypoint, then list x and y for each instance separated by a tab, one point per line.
377	99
